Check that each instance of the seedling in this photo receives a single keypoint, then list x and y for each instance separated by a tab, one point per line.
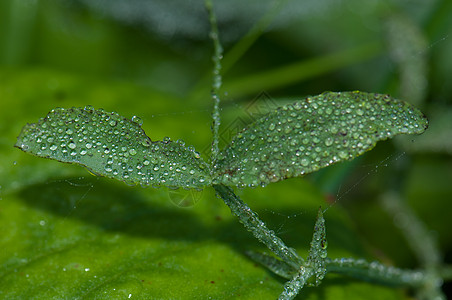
294	140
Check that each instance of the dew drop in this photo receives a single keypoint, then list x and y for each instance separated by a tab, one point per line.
137	120
328	142
343	154
89	108
272	126
297	106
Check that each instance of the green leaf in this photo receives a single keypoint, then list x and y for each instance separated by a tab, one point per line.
110	145
307	135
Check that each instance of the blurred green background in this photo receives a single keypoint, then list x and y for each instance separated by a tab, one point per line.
67	234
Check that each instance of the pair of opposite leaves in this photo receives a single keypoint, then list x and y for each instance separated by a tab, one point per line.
291	141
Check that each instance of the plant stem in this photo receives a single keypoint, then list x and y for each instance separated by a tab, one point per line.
375	272
217	79
242	46
256	226
294	286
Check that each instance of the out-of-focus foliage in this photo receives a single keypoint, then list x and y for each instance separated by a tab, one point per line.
67	237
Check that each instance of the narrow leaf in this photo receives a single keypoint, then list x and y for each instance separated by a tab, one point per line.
318	251
274	264
110	145
302	137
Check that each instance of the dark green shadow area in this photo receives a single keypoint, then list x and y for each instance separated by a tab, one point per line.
114	208
134	211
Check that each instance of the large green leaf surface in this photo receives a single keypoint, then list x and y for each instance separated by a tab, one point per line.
69	235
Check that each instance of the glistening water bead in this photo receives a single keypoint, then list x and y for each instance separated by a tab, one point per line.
332	127
106	143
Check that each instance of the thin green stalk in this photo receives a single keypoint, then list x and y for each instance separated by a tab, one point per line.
246	216
217	56
256	226
241	47
294	286
375	272
427	286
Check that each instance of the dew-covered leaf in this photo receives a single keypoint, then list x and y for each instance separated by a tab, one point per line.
113	146
313	133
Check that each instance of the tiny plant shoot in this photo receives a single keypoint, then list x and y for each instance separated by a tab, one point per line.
292	141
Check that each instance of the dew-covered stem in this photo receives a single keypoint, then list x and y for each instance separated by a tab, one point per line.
217	79
315	264
375	272
294	286
255	225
